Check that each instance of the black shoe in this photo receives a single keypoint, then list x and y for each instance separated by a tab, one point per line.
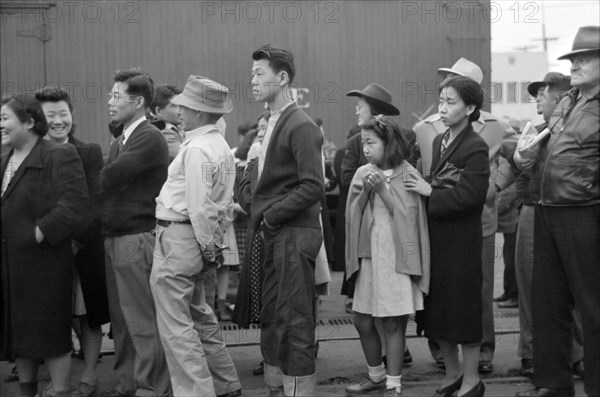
477	391
407	359
526	367
501	298
259	369
509	303
547	392
450	389
384	360
578	369
234	393
14	375
485	368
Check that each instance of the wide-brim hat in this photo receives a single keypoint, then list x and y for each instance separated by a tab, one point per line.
551	78
204	95
466	68
587	39
381	98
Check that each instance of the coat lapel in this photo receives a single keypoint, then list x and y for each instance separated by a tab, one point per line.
449	150
33	160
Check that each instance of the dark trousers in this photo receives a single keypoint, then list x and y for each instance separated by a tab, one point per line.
510	275
566	273
288	315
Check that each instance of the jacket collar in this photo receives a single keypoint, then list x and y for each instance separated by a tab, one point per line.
33	160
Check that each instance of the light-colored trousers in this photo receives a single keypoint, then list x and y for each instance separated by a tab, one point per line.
198	360
140	365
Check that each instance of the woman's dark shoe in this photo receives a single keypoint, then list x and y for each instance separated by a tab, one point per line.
477	391
579	369
14	375
259	369
407	359
450	389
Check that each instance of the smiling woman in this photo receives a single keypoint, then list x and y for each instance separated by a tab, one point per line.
43	201
90	301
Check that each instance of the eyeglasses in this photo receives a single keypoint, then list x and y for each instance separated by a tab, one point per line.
117	97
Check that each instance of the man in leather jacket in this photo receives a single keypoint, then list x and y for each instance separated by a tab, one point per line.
567	229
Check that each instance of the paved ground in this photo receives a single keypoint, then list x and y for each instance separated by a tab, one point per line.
341	360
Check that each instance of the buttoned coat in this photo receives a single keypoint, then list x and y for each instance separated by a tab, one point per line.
48	190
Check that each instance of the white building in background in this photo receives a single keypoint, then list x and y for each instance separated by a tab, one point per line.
511	73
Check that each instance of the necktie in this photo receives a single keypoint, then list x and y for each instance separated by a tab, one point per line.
445	140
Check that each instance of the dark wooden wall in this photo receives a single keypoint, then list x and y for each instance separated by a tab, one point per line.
338	46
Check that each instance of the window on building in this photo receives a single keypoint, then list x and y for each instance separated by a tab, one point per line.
512	91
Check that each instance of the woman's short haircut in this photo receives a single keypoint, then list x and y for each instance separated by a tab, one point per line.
397	148
279	59
469	91
138	83
27	108
54	93
163	95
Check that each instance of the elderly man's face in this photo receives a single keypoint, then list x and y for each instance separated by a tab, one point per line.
585	70
539	99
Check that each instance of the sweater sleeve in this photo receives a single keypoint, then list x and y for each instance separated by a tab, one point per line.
305	141
145	151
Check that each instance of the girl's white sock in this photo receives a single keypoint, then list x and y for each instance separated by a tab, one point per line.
394	382
377	374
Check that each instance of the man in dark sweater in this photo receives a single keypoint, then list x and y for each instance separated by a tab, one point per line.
286	202
131	180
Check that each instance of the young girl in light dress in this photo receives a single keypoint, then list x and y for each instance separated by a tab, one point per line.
387	243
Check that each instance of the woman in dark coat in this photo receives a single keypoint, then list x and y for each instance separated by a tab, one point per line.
457	193
90	301
43	200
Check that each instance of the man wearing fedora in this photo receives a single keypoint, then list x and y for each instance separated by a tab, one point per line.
193	210
550	91
286	202
130	180
502	142
567	229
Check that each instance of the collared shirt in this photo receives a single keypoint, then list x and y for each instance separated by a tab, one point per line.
275	115
199	186
132	127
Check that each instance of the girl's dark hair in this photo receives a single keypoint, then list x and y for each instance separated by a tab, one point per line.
26	108
54	93
469	91
242	151
397	148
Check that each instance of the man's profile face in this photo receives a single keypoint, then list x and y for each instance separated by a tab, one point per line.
549	102
585	70
539	99
265	82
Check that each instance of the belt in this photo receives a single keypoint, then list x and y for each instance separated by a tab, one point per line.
164	223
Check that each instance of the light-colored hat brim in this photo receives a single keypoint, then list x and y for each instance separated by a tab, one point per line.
572	53
448	70
182	100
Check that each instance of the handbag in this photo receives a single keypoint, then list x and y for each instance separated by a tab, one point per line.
448	176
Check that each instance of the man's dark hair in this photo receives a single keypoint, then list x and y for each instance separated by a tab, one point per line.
54	93
162	95
139	83
279	59
245	127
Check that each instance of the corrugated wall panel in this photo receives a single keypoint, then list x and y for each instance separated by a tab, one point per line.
351	44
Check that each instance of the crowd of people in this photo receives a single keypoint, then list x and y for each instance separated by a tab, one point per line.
143	238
